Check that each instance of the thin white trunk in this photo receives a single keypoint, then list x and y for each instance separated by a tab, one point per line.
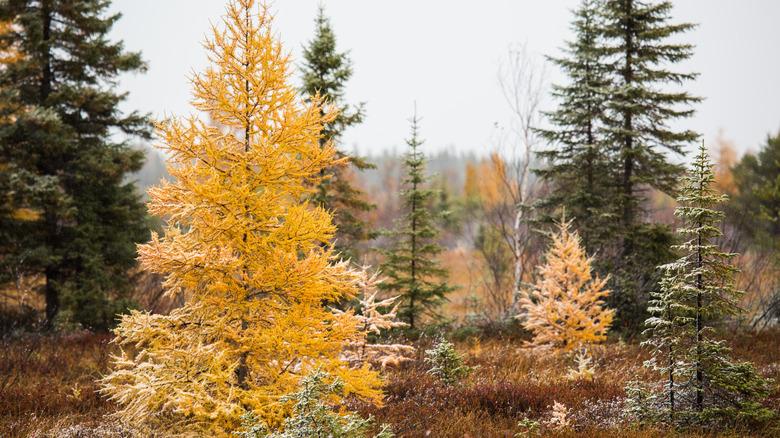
518	260
522	81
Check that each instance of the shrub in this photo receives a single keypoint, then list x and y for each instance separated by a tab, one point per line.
559	417
528	428
312	416
446	363
583	368
641	403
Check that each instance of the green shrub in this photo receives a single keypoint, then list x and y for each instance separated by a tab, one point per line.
312	417
446	363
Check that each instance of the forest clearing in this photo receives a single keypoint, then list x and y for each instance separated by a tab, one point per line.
601	270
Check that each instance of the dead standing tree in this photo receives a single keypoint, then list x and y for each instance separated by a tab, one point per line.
522	78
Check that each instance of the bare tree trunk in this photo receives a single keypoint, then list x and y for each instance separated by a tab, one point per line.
52	271
699	322
699	338
522	82
518	283
671	384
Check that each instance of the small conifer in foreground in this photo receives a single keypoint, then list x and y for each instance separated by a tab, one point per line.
703	384
565	308
446	363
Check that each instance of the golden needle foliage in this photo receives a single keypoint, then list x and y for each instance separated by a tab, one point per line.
491	183
245	249
9	54
565	309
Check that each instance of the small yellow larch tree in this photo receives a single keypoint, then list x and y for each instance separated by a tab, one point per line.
584	368
251	256
559	417
565	309
376	316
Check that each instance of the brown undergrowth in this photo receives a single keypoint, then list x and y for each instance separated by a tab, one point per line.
48	382
47	388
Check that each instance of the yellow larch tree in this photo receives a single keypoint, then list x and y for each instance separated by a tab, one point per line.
251	256
565	308
726	152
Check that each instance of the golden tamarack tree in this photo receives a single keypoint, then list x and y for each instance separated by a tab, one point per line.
565	308
244	248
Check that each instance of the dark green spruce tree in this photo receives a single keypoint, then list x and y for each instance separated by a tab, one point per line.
639	42
577	166
411	267
755	209
704	384
61	128
326	72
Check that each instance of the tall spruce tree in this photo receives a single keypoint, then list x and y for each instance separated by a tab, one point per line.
578	165
698	291
410	265
638	44
59	128
637	39
325	72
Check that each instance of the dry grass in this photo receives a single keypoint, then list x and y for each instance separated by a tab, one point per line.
509	384
49	382
512	383
47	388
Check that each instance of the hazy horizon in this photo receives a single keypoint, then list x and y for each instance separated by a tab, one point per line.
445	56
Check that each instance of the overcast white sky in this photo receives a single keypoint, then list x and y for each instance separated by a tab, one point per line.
445	54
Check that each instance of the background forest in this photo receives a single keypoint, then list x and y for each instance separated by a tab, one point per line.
596	269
